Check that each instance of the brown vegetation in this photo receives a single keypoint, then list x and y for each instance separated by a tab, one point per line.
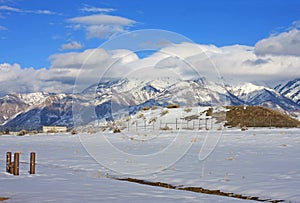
145	108
164	112
33	132
141	116
190	118
165	128
257	116
209	112
116	130
152	120
22	133
154	107
73	132
173	106
187	110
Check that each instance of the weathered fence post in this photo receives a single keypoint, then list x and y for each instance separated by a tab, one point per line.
32	163
8	161
16	163
199	126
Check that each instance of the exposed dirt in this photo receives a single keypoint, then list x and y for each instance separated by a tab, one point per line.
3	199
198	190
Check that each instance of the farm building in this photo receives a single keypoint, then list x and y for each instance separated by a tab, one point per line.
54	129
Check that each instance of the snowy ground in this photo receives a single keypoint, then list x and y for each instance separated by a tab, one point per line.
259	162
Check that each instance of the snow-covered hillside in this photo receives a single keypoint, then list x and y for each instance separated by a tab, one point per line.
151	122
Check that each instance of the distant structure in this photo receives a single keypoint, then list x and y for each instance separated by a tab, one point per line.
54	129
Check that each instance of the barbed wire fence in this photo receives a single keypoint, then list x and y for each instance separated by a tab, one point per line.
176	124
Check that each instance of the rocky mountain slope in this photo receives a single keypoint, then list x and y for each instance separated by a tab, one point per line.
112	98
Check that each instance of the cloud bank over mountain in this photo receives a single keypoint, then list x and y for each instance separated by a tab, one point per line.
271	59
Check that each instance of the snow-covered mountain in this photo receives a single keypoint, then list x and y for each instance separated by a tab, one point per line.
108	98
290	89
254	95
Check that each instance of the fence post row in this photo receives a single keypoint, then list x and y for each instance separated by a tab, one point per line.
206	123
14	167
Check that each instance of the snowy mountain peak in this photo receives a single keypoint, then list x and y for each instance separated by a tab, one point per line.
290	89
246	88
33	98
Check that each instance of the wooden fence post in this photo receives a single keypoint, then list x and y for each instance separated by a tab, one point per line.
8	161
16	163
32	163
199	126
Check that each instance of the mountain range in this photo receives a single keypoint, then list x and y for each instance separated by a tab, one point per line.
112	98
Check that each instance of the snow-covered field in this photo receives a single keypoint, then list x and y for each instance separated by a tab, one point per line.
258	162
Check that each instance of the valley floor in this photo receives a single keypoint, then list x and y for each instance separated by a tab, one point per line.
259	162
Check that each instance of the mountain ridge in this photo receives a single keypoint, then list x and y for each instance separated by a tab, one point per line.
106	99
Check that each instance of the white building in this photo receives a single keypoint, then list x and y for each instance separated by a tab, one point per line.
54	129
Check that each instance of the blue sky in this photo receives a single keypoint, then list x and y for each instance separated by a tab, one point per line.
254	41
33	30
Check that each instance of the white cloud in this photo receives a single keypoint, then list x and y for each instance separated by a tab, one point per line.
185	60
71	45
75	60
7	1
286	43
90	65
102	20
15	79
45	12
102	26
295	25
88	8
8	8
2	28
18	10
103	31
